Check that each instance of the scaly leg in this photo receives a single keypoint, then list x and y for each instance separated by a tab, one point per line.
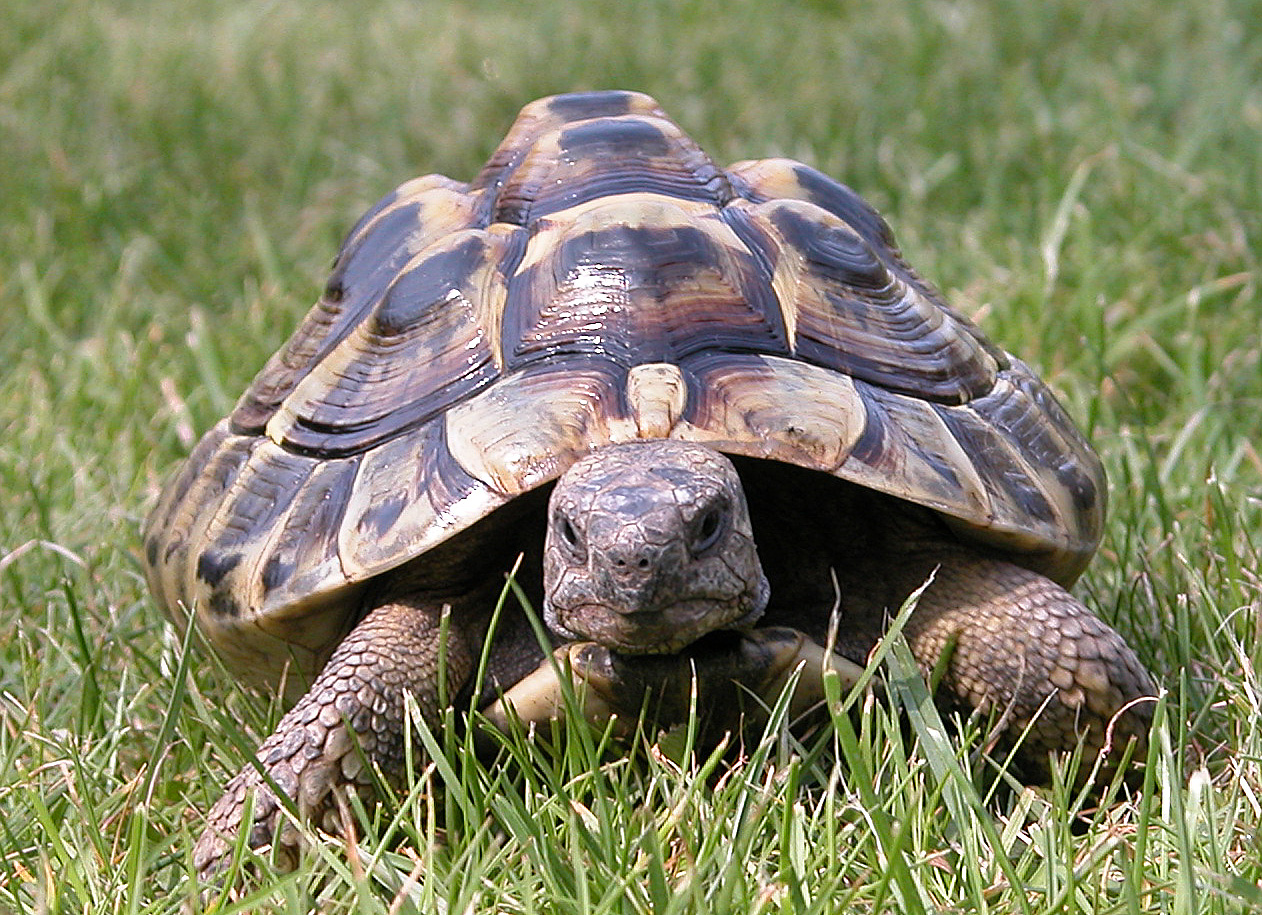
394	650
1023	648
759	663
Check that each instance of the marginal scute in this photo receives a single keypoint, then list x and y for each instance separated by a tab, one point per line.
250	514
303	559
526	429
1045	481
907	451
188	505
168	523
408	495
772	407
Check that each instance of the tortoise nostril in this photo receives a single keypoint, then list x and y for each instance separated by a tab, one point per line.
625	564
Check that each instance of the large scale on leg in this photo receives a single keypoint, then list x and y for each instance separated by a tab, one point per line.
701	403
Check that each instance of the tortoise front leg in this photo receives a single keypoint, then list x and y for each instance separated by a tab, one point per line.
1020	646
393	651
759	663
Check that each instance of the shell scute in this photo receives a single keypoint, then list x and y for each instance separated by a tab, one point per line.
605	157
408	494
248	517
381	244
772	407
303	560
907	451
186	505
548	114
855	315
427	344
638	279
762	180
525	430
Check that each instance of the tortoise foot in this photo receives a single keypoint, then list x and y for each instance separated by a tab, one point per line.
351	721
722	671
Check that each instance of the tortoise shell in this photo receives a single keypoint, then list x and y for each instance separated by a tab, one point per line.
601	280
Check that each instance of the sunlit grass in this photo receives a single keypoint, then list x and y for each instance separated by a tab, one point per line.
1081	178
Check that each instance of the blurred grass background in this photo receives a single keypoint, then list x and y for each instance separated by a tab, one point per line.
1084	178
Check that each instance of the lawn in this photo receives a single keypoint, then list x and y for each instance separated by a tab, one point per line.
1084	179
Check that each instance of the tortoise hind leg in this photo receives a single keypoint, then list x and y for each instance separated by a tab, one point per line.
393	651
1024	648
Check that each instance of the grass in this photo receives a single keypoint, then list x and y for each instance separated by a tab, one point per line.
1084	178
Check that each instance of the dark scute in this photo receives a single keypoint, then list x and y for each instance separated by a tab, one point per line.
276	572
844	203
346	436
426	286
153	547
578	106
1082	488
373	211
843	256
213	566
632	294
867	323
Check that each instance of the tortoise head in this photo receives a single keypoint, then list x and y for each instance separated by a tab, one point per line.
649	547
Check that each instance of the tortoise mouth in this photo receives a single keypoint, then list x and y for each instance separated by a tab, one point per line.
657	632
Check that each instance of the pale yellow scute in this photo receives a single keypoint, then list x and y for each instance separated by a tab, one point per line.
913	455
527	428
772	407
403	502
772	178
657	394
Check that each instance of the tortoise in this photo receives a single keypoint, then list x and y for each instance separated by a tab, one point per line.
710	414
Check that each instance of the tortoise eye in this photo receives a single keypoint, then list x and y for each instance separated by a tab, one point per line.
708	530
569	533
